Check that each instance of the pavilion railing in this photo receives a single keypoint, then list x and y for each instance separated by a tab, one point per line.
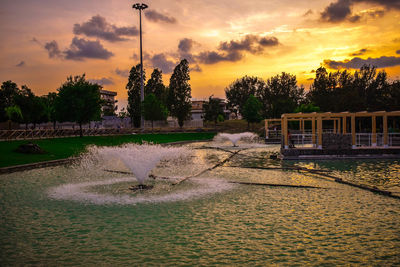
393	139
362	139
302	139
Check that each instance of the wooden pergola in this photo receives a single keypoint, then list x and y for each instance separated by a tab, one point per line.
340	124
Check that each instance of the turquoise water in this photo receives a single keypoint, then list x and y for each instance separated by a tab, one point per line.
203	221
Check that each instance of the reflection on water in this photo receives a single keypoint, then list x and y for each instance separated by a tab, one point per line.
213	224
384	174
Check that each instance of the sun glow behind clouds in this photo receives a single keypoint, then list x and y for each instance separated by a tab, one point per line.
212	33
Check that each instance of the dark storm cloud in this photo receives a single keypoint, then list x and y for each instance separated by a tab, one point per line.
102	81
155	16
337	11
360	52
268	41
98	27
185	45
81	49
356	63
21	64
160	61
53	50
212	57
250	43
341	10
122	73
234	50
184	49
229	51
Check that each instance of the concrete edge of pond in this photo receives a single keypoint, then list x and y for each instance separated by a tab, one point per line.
57	162
37	165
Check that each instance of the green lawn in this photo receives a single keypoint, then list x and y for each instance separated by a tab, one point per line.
59	148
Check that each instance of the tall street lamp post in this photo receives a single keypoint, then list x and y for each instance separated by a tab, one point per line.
141	7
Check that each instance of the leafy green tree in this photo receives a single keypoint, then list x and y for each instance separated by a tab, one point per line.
38	107
366	89
220	118
213	109
78	101
179	93
134	102
239	91
370	86
153	109
320	89
252	110
155	86
49	102
280	95
13	113
392	96
123	113
8	92
27	102
307	108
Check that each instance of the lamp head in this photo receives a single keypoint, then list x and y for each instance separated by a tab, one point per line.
140	6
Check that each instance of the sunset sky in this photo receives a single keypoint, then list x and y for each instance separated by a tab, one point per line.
44	41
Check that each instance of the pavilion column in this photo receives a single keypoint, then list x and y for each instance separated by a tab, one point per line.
314	143
285	132
302	126
353	130
338	126
373	141
385	131
319	131
344	124
334	125
266	129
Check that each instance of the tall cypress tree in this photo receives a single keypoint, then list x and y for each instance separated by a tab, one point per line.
134	104
155	86
179	93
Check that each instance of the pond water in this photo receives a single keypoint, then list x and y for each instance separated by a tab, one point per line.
74	215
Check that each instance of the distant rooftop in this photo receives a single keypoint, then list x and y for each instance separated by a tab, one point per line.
105	92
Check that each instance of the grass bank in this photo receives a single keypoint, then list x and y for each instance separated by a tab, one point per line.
60	148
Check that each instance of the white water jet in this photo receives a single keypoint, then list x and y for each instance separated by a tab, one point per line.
140	159
234	138
79	192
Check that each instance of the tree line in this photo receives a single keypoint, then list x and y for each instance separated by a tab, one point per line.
78	100
364	90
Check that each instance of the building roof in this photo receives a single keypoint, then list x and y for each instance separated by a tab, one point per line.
105	92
